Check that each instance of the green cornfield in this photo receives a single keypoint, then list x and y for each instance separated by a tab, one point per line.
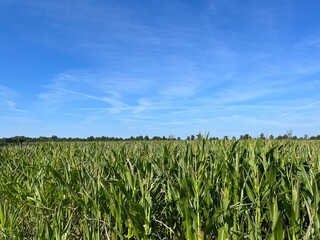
221	189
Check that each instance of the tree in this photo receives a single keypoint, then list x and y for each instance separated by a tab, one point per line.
171	137
245	137
54	138
262	136
43	139
91	138
192	137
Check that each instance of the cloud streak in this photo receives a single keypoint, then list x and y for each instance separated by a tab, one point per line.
7	96
299	108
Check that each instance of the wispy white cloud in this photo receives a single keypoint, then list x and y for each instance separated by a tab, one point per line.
58	96
185	89
6	96
295	109
163	104
7	100
123	94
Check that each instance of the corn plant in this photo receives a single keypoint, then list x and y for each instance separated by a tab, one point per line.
205	189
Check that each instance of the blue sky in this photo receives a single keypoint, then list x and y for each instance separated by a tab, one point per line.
172	67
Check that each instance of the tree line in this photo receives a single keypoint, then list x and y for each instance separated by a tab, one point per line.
23	139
